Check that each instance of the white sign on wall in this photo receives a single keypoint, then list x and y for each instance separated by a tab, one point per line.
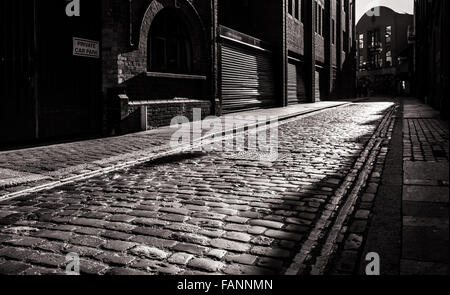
86	48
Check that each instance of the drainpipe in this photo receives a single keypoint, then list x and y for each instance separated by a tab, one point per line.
285	55
130	15
214	60
310	50
35	71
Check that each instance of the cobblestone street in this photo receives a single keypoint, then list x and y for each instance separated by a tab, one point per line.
215	213
224	146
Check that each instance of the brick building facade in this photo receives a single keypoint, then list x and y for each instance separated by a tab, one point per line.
241	56
432	60
161	58
385	52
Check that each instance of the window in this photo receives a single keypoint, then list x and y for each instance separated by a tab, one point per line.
320	19
303	11
373	38
379	61
361	41
375	61
388	35
374	50
361	62
316	20
346	42
389	58
169	45
324	21
290	7
297	9
333	31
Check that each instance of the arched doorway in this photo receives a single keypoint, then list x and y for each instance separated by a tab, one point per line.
169	44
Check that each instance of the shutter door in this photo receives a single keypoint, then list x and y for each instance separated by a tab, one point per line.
296	85
317	92
247	79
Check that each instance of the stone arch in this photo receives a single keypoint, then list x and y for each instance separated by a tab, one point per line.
194	24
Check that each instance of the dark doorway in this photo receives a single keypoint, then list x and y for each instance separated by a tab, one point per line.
69	92
17	71
48	93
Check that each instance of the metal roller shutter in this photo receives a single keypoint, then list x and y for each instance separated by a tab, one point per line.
247	79
296	85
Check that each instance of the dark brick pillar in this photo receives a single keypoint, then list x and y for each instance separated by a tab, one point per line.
328	71
339	47
310	49
354	48
348	77
347	26
284	54
276	30
215	99
445	59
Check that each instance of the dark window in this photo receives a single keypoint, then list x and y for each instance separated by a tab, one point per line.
374	50
388	35
346	42
389	58
303	8
316	20
320	20
169	45
333	31
374	38
297	9
290	7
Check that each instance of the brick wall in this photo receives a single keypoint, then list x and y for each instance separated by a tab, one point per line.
295	35
125	56
162	112
320	48
125	52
